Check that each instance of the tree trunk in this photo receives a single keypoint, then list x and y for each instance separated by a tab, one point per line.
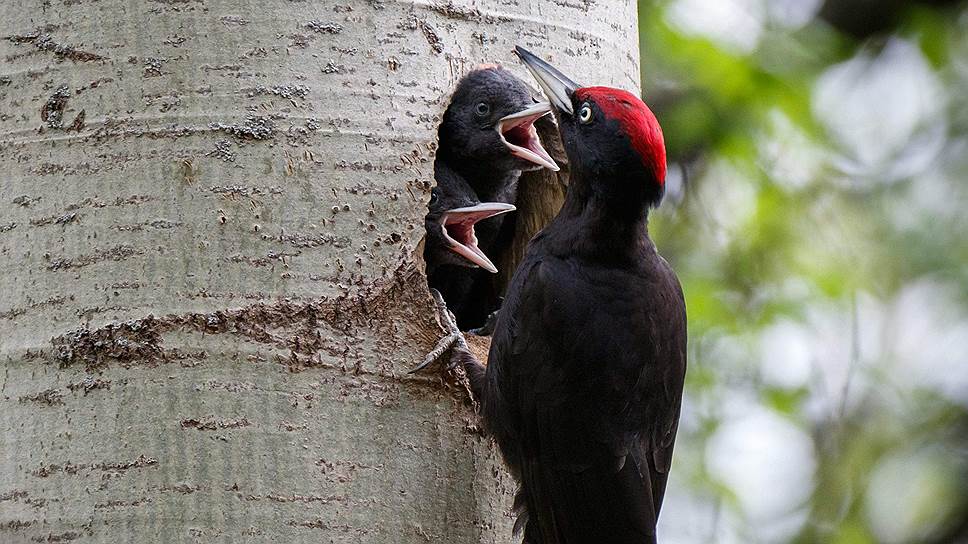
211	282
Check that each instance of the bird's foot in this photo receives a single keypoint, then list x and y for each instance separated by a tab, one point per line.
454	338
487	329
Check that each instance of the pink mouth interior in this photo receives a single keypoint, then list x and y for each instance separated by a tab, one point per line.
460	226
524	135
462	230
522	139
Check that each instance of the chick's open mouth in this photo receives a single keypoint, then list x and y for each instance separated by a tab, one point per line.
519	135
458	229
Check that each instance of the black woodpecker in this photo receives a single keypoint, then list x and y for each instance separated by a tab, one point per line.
583	385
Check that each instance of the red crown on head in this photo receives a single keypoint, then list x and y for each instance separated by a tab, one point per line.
638	122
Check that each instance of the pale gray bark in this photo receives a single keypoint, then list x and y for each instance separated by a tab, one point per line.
210	218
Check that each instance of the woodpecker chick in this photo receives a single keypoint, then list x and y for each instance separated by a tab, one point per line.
450	223
487	134
487	138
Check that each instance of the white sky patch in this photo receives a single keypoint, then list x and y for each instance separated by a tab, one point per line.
752	455
919	340
939	193
735	25
911	495
788	154
885	111
785	355
675	189
832	331
930	340
727	197
688	518
844	347
792	14
921	151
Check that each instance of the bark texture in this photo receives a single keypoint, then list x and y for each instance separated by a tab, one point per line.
210	282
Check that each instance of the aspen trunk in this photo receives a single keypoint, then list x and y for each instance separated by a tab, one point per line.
210	221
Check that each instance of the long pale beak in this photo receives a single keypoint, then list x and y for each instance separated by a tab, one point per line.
556	86
519	135
458	228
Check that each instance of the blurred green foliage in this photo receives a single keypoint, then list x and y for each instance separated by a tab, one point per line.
815	214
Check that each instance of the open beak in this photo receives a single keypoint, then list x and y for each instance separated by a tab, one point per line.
519	135
458	228
556	86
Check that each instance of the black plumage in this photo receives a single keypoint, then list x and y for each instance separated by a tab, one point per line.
486	139
584	379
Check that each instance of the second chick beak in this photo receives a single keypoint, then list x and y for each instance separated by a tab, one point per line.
458	227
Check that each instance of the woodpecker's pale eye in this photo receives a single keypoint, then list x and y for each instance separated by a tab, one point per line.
585	114
483	109
433	196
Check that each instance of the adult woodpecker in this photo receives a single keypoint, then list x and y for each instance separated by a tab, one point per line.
585	372
486	138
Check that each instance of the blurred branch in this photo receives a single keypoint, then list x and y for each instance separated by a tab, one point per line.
854	354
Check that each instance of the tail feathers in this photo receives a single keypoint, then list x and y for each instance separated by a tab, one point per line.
524	522
585	507
520	509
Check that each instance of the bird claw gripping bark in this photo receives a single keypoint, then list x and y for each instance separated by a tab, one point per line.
453	339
